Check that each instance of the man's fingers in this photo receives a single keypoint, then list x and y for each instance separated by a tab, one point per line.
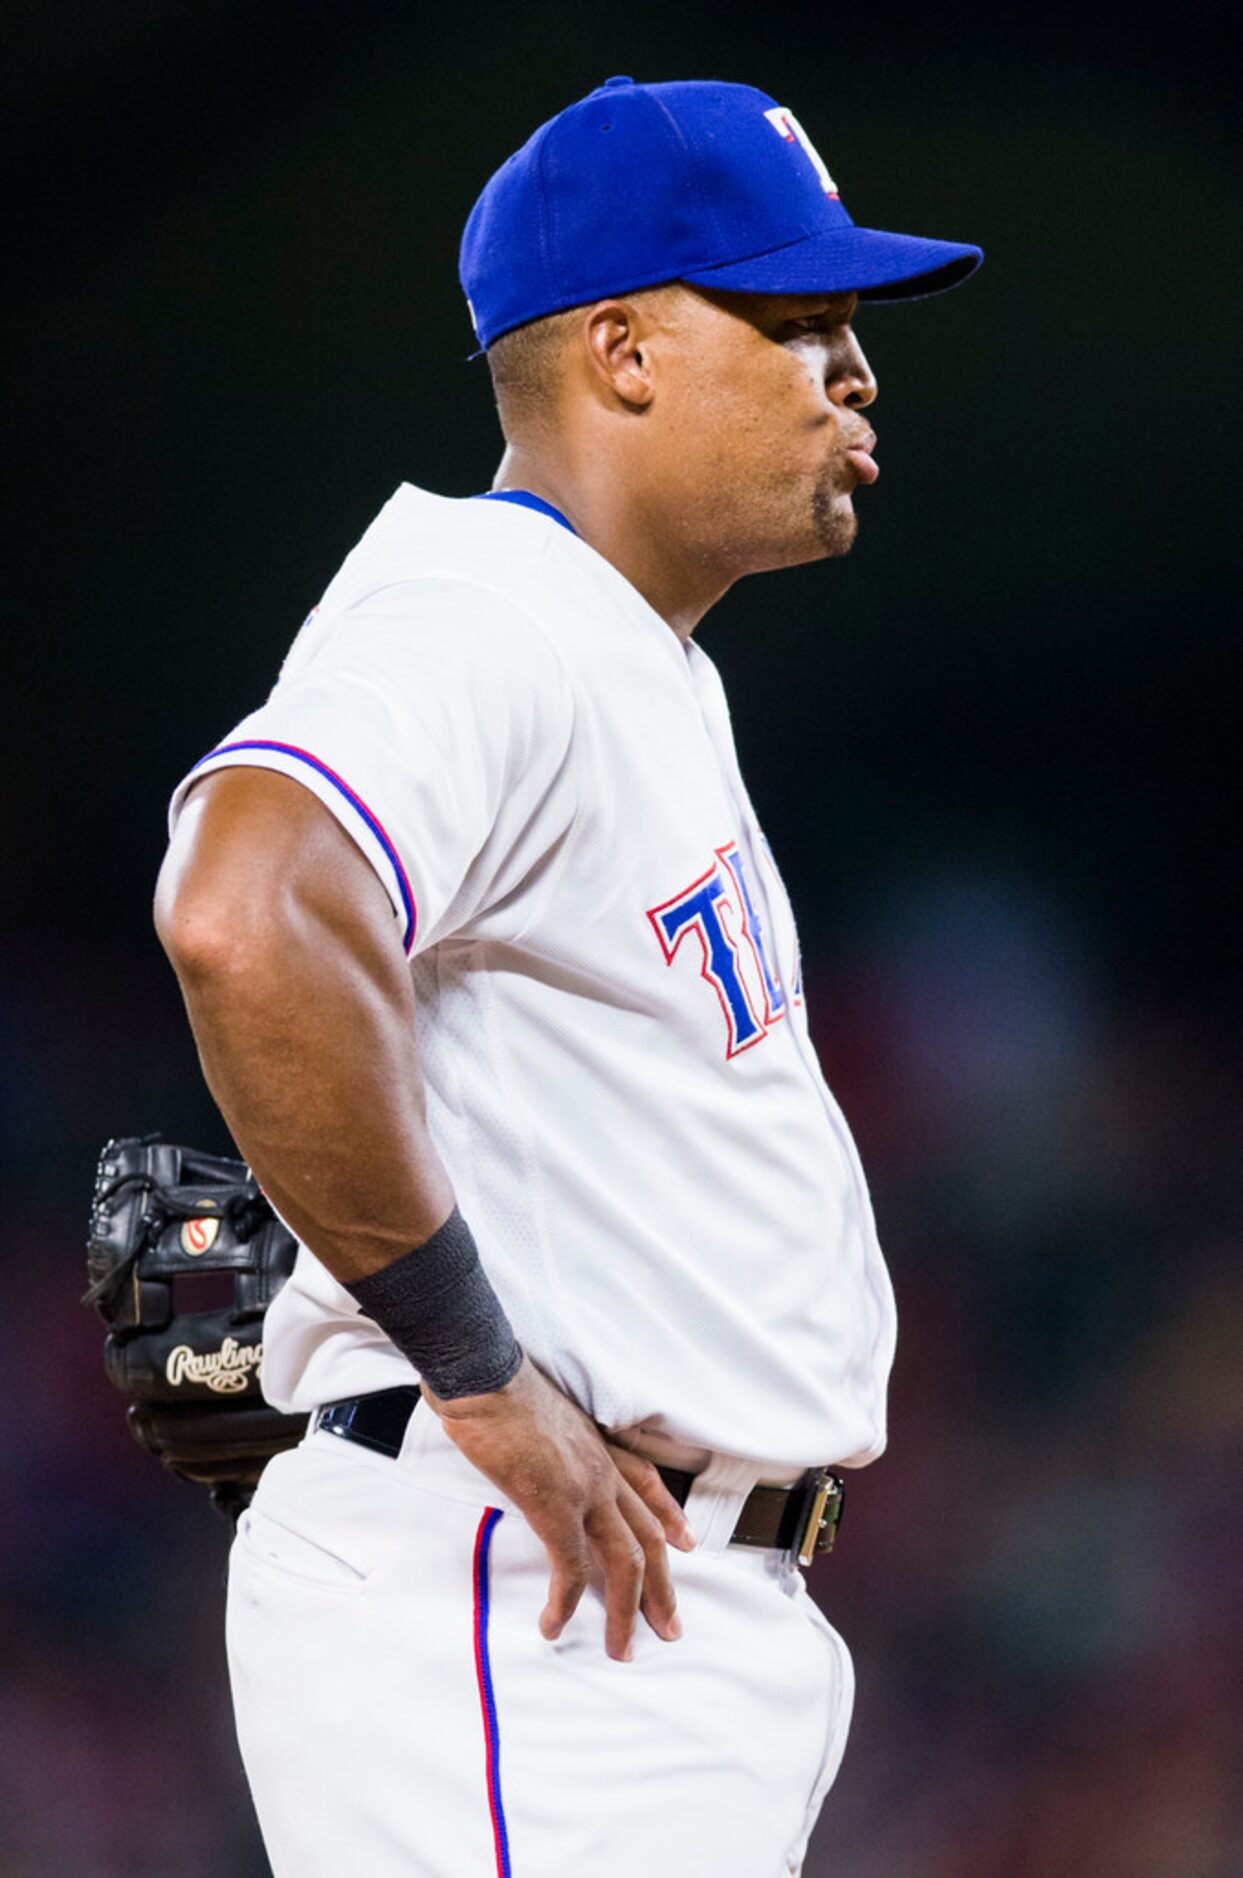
624	1564
645	1479
570	1576
658	1600
604	1515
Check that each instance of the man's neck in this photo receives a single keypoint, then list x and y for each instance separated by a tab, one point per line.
597	508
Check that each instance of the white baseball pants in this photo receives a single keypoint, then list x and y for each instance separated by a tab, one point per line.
400	1715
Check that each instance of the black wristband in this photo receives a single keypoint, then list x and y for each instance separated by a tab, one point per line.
439	1309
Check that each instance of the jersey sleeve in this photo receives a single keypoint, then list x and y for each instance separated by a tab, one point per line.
434	721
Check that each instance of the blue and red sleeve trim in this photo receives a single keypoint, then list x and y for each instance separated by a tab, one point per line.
355	801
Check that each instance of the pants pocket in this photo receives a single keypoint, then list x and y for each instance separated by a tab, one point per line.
291	1550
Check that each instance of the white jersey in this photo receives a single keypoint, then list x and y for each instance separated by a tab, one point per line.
611	1024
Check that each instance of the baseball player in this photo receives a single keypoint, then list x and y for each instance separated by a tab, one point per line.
495	980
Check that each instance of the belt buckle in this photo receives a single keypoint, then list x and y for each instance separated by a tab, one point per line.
824	1514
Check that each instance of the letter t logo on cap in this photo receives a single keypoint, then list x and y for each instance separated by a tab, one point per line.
787	125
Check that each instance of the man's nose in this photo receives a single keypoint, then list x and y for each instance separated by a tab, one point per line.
850	377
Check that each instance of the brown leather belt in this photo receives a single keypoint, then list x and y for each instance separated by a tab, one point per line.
802	1519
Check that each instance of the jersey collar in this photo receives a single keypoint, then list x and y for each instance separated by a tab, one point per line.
526	500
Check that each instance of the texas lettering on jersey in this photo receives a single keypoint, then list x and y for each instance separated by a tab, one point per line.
719	910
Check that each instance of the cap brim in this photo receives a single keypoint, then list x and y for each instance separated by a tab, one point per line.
865	261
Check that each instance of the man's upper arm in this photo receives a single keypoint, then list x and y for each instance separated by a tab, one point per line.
253	853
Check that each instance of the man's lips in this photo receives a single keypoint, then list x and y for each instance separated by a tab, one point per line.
859	456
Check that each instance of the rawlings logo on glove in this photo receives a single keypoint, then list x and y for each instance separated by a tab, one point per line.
225	1370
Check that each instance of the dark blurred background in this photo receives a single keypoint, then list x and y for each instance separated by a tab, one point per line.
990	750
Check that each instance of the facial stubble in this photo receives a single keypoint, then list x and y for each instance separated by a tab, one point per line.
835	521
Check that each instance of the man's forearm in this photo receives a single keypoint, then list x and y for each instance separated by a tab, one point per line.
319	1088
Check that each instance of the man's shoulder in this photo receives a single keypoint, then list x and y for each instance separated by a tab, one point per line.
418	536
491	583
484	566
426	562
423	599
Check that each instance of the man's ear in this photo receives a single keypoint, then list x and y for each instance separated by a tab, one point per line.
616	335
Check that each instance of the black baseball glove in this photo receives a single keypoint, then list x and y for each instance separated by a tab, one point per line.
184	1256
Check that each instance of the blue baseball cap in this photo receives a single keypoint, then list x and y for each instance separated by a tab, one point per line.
709	183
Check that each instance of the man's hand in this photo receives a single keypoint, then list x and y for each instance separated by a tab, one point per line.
604	1514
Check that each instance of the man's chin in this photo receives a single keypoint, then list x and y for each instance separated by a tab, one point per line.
835	520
